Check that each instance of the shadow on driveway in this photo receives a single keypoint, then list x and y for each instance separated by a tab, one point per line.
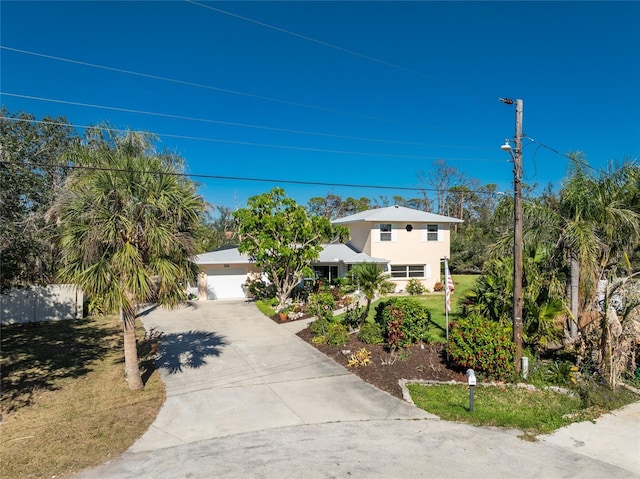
188	350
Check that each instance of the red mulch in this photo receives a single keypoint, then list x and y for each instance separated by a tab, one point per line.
426	361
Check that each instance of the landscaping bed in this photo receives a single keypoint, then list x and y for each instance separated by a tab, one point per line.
419	361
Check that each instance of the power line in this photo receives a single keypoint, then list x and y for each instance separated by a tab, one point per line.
233	178
213	88
243	125
336	47
247	143
573	159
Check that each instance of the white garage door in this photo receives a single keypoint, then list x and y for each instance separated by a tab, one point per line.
226	283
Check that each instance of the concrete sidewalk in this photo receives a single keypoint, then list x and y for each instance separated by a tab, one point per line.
613	438
247	398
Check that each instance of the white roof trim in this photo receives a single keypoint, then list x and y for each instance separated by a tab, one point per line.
396	214
331	253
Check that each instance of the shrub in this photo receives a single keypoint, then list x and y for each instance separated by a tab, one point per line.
415	287
336	293
415	319
353	315
337	333
321	305
261	290
319	327
483	345
371	333
562	373
362	357
96	306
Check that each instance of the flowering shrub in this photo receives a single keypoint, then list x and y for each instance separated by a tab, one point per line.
482	345
321	305
415	287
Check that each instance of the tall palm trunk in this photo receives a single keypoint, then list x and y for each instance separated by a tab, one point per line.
131	368
575	281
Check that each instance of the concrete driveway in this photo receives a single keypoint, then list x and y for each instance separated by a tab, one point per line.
229	370
247	398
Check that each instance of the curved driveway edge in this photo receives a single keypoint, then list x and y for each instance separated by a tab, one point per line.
247	398
363	449
229	370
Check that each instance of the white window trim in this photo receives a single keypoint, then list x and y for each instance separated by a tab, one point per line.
377	231
425	233
426	271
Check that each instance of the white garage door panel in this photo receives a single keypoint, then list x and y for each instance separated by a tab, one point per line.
226	283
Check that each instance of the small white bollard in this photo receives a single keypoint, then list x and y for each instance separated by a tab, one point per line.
472	382
524	363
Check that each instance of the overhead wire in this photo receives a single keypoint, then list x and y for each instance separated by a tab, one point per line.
234	178
247	143
218	89
208	176
243	125
336	47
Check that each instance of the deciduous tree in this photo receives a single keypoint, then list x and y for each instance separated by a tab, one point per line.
282	238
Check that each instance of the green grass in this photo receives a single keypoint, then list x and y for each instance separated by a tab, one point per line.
434	302
534	412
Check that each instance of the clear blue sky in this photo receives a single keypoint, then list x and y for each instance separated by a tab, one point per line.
422	80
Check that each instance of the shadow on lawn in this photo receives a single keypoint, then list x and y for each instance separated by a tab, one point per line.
35	355
188	350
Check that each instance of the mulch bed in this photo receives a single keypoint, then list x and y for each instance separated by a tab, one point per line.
426	362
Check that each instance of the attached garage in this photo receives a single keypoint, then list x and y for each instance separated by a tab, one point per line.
226	283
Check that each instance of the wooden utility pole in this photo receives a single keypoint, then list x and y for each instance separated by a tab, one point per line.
516	154
517	238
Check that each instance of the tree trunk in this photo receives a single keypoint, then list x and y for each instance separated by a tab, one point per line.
131	368
575	281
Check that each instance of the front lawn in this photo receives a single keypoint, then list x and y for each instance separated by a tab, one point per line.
65	403
534	412
434	302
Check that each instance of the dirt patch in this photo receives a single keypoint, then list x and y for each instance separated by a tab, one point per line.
420	361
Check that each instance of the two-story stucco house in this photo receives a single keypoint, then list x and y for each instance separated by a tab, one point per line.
408	243
412	241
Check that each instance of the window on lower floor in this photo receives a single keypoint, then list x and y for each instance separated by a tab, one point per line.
407	271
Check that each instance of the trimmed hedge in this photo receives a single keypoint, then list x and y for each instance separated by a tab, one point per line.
414	316
483	345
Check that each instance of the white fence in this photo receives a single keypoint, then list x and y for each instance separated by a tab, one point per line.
41	303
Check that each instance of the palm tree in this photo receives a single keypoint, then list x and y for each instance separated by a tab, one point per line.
597	229
369	279
593	225
127	221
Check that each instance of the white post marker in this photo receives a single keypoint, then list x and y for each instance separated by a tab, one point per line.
471	377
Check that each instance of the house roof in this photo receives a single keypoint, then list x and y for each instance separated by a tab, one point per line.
340	252
396	214
223	256
331	253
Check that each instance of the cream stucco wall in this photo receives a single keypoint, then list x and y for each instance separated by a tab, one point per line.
406	248
360	237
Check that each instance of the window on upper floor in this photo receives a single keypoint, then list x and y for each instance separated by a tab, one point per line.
431	233
385	232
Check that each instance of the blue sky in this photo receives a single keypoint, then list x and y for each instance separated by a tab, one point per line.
381	89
